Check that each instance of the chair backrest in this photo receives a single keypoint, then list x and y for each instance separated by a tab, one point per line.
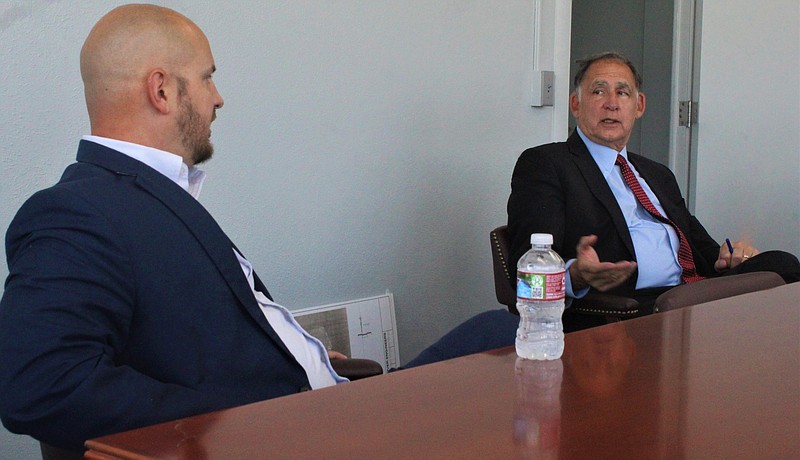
504	275
716	288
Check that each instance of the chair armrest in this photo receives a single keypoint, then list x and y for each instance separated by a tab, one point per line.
56	453
356	368
716	288
599	304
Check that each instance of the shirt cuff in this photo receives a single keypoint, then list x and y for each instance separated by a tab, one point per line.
570	293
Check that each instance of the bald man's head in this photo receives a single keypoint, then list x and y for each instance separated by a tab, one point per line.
147	73
130	40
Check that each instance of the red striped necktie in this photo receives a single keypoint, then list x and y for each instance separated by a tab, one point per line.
688	273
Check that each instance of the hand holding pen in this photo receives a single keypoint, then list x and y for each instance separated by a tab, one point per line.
732	254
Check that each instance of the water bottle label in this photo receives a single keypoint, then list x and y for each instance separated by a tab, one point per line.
541	286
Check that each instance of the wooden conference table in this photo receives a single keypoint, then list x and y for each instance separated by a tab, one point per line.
718	380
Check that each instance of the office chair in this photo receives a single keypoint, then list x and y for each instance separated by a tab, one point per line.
608	307
615	308
356	368
54	453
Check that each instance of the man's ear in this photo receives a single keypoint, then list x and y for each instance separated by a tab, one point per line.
574	104
641	104
157	92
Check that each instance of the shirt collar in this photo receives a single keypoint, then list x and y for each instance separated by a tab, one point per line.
189	178
605	157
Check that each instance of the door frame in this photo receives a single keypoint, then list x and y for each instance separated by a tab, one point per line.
685	74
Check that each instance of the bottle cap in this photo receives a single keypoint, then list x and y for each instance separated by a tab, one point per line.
541	238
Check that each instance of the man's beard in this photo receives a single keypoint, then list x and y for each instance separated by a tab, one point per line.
191	127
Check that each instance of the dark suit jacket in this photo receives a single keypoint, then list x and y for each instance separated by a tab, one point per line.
559	189
125	306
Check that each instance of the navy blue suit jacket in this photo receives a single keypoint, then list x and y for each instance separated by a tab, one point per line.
125	306
559	189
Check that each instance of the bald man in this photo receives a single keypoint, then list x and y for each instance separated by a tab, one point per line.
126	304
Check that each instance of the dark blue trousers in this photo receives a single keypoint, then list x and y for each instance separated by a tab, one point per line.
484	331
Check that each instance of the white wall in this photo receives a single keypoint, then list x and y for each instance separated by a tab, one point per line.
748	153
364	146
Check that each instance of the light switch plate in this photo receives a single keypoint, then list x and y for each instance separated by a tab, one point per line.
543	93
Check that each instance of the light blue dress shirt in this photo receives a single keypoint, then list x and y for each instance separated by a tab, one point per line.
656	243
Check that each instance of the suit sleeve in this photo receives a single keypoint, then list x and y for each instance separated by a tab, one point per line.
68	305
536	203
706	247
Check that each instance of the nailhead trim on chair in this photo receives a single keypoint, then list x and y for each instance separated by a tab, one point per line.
599	311
502	257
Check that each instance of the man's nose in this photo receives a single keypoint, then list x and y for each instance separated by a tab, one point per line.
219	102
611	102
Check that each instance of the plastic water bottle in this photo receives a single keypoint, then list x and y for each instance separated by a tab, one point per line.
541	288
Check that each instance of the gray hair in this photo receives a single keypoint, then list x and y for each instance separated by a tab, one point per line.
583	66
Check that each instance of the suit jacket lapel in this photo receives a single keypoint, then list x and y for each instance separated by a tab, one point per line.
599	187
196	218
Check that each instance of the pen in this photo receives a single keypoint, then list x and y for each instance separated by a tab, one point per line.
730	247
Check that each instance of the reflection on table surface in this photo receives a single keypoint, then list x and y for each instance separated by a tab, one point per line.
719	380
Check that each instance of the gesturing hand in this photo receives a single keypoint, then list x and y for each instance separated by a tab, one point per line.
587	270
336	355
